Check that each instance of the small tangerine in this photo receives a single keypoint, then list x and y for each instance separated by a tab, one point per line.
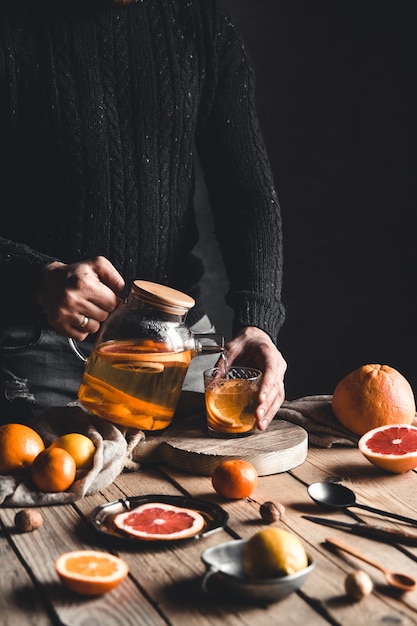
234	479
53	470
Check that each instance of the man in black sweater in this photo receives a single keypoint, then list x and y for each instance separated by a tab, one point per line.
104	106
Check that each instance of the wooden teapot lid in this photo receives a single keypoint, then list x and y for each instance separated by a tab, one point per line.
162	297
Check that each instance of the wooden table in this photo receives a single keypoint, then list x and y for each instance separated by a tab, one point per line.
164	585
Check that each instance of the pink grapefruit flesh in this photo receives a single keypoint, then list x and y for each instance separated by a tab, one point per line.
160	521
392	447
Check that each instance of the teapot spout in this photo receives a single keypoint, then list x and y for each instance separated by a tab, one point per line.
208	343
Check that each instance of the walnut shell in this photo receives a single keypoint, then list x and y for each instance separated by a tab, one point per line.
358	584
28	520
271	512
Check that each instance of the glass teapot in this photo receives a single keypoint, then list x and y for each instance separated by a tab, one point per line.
141	355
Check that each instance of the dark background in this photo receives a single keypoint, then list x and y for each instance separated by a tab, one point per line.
336	91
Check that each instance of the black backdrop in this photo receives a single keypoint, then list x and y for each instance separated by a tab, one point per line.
336	89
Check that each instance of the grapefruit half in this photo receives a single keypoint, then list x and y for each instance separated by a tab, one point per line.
392	447
156	520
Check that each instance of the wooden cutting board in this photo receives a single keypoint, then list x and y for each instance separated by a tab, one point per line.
186	445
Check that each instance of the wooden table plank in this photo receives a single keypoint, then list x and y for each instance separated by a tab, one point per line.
19	602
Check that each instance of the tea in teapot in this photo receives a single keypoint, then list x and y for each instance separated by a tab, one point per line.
136	370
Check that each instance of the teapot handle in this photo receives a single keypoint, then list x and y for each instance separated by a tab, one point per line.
76	350
74	346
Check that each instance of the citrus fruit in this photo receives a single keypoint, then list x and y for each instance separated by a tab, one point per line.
156	520
373	396
120	407
80	447
272	553
53	470
90	572
234	479
19	445
392	447
230	405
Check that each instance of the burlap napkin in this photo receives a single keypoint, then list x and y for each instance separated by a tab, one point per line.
315	415
114	447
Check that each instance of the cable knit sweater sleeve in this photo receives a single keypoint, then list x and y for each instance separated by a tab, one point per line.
243	197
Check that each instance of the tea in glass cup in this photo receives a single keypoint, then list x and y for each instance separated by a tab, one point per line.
231	397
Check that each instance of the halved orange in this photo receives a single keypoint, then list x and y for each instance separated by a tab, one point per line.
90	572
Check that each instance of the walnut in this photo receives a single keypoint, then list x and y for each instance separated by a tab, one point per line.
271	512
358	584
27	520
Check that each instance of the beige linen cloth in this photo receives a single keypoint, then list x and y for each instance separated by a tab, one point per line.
315	415
114	448
115	445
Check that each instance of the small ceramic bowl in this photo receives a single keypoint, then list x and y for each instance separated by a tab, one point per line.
224	566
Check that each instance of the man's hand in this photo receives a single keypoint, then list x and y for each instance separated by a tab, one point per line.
78	297
253	347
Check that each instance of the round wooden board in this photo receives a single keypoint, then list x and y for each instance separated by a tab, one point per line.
186	445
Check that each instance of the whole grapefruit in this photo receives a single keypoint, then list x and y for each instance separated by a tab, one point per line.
371	396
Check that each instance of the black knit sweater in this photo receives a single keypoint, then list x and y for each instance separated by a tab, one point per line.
103	109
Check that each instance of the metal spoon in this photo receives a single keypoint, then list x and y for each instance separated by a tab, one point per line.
400	581
336	496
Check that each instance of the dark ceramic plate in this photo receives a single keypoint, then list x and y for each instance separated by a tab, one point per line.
102	516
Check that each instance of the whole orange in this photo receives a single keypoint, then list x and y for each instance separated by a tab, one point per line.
234	479
53	470
19	445
80	447
371	396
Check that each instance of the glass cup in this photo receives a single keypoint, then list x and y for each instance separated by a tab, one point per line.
231	398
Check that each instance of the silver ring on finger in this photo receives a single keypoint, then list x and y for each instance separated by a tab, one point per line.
84	322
